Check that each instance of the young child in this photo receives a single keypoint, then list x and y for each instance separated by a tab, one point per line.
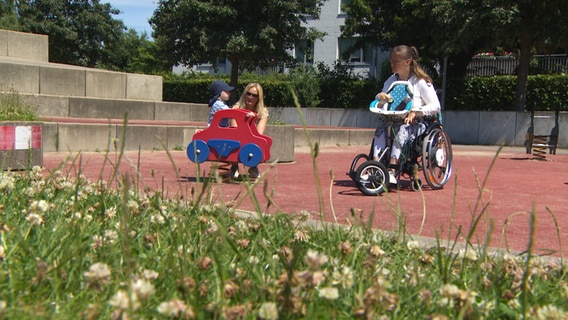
220	93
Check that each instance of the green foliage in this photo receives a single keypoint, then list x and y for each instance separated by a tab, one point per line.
250	34
80	32
13	108
544	92
74	248
305	82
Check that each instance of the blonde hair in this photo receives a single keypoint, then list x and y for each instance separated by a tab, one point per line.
406	52
260	108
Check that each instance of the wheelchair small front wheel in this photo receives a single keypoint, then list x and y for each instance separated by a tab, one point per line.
416	184
372	178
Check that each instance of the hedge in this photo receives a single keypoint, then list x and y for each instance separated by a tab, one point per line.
544	92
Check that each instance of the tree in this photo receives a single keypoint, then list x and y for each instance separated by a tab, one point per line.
8	17
458	29
248	33
452	29
540	26
81	32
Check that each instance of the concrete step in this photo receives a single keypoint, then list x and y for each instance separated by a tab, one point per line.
91	134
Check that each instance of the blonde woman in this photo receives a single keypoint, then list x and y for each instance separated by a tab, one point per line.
252	99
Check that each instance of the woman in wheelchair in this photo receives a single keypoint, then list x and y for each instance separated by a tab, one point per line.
425	104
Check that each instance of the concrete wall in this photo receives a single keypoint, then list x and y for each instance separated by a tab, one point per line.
464	127
25	68
24	45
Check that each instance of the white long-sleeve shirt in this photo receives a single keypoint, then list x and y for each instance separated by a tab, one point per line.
425	101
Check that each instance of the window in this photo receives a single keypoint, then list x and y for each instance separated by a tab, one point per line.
305	52
349	54
342	5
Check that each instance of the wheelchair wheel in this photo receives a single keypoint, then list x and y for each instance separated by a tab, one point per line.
437	158
372	178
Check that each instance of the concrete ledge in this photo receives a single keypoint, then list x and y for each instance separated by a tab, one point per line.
65	137
24	45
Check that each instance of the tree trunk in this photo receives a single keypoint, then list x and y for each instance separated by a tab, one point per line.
522	74
234	71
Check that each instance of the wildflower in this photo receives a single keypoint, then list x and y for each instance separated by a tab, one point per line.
2	253
150	274
143	289
230	288
133	206
329	293
413	245
468	254
97	242
253	260
449	290
318	277
158	218
110	235
122	301
550	312
314	259
173	308
376	251
98	272
110	212
343	277
7	182
3	305
34	219
345	247
302	235
305	215
40	206
268	311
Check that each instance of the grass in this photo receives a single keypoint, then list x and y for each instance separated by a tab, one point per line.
72	248
13	108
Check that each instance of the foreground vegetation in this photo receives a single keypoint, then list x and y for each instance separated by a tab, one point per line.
73	248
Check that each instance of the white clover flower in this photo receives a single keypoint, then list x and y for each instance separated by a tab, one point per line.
268	311
449	290
343	277
110	212
150	274
550	312
158	218
413	245
121	301
98	271
468	254
39	206
253	260
173	308
3	305
34	219
329	293
314	259
143	289
7	182
133	206
110	235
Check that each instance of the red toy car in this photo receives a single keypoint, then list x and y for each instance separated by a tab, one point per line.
241	144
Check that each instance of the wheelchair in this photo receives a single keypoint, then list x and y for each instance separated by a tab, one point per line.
430	152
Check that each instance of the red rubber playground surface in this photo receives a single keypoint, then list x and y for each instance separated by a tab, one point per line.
502	201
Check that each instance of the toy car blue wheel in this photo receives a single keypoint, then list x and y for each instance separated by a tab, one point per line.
250	155
198	151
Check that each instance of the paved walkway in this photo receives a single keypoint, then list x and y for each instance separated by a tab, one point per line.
501	200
